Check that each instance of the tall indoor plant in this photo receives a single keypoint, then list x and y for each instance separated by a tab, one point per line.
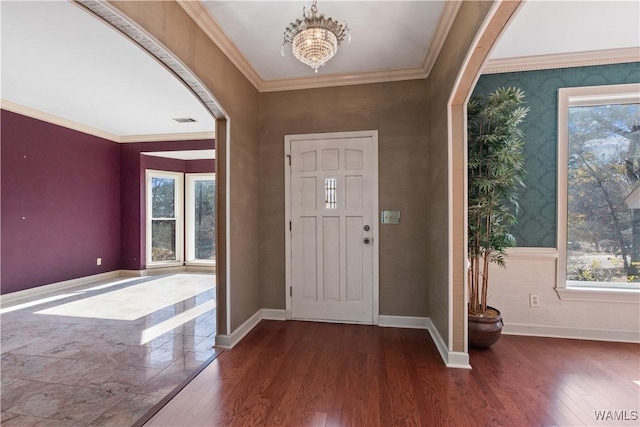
495	177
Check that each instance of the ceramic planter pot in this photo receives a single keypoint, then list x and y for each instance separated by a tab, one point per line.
484	331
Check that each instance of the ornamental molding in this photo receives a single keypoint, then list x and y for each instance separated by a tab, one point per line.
563	60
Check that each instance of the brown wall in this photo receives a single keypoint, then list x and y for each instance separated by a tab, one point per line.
398	111
415	165
174	28
451	81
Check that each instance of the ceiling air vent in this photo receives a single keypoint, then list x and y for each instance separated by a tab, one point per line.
185	120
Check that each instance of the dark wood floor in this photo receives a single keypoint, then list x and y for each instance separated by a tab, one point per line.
313	374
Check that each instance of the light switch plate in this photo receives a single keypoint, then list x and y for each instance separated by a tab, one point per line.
390	217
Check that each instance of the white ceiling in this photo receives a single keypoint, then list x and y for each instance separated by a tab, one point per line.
544	27
256	29
58	59
61	61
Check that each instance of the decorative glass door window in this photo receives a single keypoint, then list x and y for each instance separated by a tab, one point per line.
331	193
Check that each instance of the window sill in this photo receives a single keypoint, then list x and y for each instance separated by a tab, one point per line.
630	296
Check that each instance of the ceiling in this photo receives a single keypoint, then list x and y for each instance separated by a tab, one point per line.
61	63
377	44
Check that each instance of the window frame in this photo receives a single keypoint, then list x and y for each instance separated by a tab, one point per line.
189	203
179	218
571	97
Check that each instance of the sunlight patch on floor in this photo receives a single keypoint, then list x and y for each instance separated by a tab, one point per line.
33	303
58	297
136	301
180	319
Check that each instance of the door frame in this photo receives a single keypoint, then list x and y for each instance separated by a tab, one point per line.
288	141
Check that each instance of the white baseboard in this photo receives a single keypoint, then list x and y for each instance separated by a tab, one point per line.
408	322
571	333
156	271
87	280
272	314
54	287
451	359
229	341
222	341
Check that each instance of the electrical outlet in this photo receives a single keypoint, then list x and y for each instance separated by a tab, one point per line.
534	300
99	261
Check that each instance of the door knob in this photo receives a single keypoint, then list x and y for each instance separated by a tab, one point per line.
367	240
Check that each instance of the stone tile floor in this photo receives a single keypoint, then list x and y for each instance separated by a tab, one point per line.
73	370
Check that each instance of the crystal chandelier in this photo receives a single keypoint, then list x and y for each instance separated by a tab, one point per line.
314	38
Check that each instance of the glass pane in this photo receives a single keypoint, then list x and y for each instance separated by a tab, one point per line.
163	197
603	239
330	193
163	240
205	219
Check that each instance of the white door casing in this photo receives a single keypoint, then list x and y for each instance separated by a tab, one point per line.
331	204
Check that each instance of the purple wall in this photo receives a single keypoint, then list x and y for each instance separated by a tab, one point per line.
81	197
132	198
60	204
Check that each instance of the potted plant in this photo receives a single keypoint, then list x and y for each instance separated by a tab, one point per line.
495	177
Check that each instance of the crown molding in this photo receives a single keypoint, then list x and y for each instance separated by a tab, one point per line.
197	12
563	60
70	124
344	79
449	14
56	120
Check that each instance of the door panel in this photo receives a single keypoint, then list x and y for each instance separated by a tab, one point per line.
333	202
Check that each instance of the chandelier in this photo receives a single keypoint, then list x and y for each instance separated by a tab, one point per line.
314	38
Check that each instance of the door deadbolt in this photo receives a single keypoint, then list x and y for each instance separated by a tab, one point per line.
367	228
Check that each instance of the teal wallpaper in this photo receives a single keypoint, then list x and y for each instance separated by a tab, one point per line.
537	218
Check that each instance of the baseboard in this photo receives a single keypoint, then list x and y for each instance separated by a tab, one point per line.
451	359
87	280
571	333
222	341
229	341
168	270
54	287
273	314
408	322
204	269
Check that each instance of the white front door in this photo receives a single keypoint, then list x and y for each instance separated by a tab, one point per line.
333	230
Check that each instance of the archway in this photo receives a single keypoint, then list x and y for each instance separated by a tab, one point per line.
137	35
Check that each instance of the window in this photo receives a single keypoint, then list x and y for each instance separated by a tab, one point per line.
201	219
330	193
164	217
599	190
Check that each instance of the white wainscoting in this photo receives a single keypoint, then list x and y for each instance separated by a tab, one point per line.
533	271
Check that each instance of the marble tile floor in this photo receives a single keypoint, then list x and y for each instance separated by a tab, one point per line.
64	368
